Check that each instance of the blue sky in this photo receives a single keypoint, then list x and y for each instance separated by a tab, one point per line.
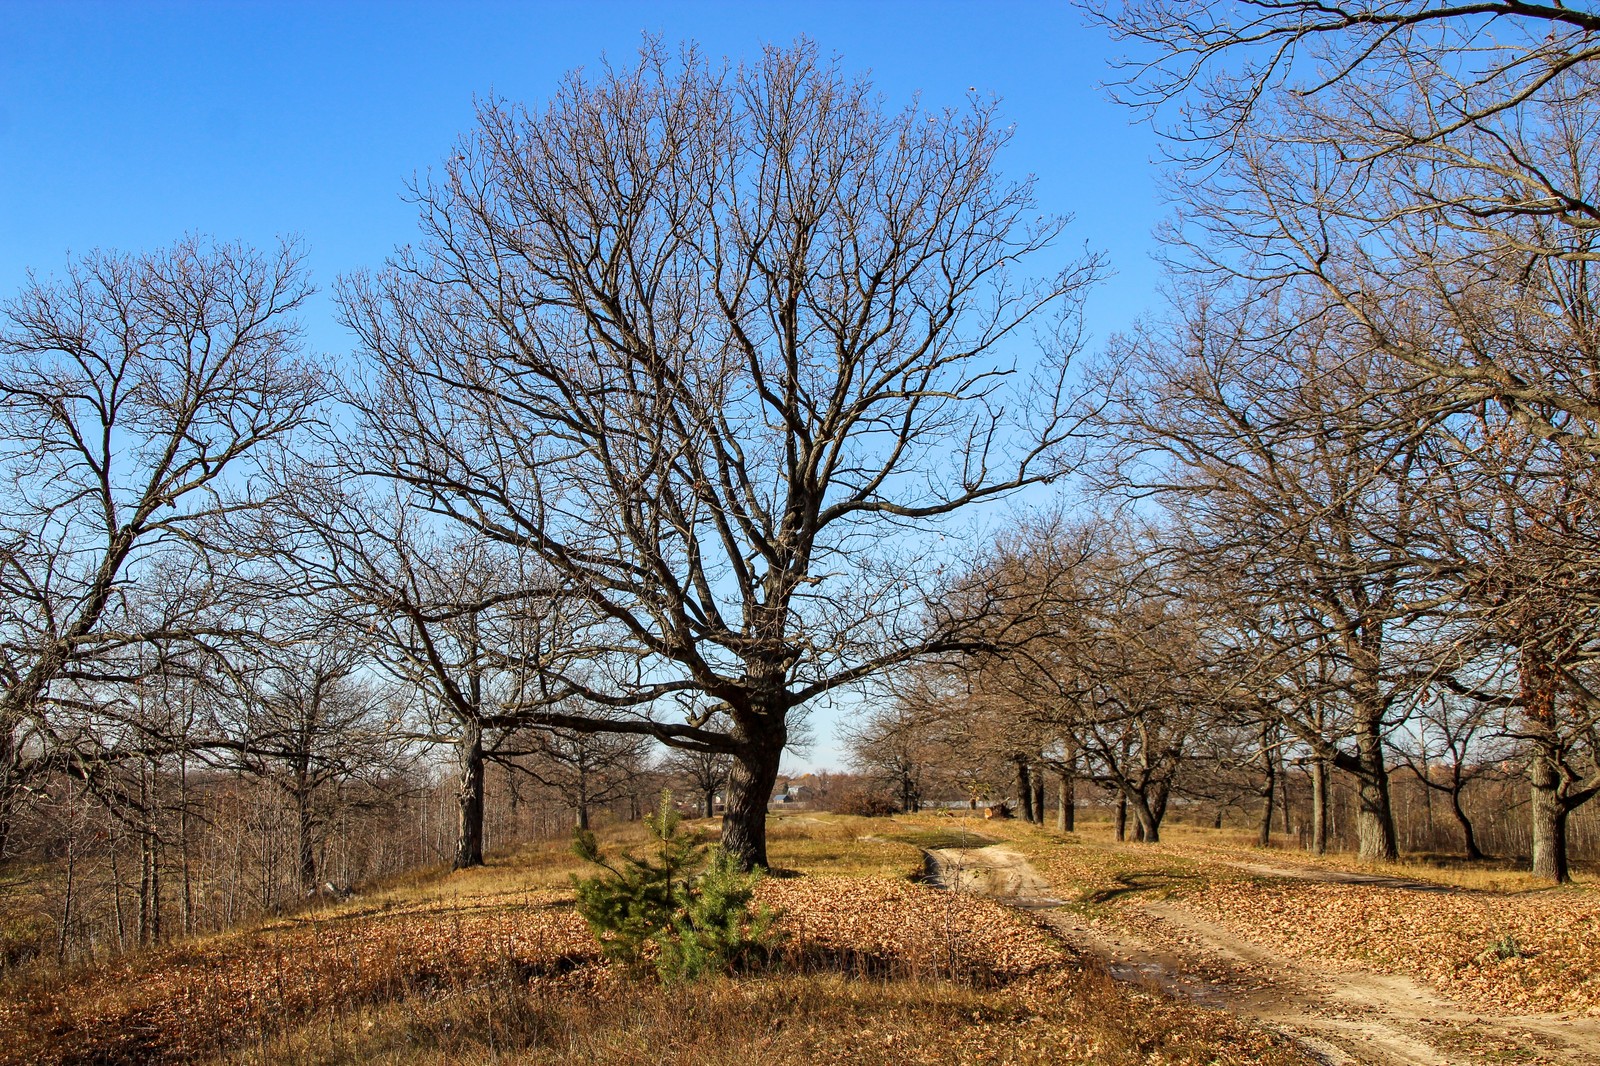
124	125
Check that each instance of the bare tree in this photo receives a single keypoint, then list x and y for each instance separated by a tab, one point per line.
1292	455
704	773
586	769
140	398
1448	748
475	636
714	345
310	722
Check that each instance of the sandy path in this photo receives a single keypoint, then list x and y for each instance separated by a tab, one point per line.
1343	1016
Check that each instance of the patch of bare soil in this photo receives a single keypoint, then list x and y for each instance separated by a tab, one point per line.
997	872
1343	1014
1338	877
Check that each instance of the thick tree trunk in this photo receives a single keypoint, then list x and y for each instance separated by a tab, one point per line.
1122	818
1264	833
908	794
744	814
149	890
1067	810
1024	788
469	797
1548	813
1547	808
1375	834
1149	819
710	797
1038	795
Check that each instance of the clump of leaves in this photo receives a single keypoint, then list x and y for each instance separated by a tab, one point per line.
685	907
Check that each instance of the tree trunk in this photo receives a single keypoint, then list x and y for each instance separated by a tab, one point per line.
1547	809
1264	834
306	826
710	797
1375	833
116	895
1467	833
183	845
469	797
750	784
1038	795
1067	810
1122	818
1319	805
67	899
1024	788
1548	812
1269	787
1148	813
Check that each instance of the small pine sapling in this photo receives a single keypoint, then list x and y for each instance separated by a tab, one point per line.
685	908
717	929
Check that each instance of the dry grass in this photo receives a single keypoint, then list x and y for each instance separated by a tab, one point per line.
841	845
1066	1017
494	964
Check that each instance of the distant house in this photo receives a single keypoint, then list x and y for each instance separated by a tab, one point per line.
806	788
789	794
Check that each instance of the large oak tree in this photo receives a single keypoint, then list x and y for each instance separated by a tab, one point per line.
719	345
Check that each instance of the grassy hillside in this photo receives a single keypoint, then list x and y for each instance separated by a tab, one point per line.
493	965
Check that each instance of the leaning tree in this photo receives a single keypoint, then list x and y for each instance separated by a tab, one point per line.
722	347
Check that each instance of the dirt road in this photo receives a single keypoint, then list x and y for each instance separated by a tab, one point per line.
1342	1015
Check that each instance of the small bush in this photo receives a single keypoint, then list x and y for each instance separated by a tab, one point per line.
685	910
1508	947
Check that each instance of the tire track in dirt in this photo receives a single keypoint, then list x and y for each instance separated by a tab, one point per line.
1343	1016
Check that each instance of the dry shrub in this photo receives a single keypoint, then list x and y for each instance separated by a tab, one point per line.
864	803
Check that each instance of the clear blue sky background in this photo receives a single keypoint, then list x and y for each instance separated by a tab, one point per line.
124	125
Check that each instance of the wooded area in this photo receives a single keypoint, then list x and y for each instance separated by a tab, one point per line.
672	423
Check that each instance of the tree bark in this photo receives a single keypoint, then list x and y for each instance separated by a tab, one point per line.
1269	787
1067	811
1375	833
1024	788
1149	819
306	837
1548	812
1038	795
1474	853
744	815
1122	818
1548	807
469	797
1319	806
